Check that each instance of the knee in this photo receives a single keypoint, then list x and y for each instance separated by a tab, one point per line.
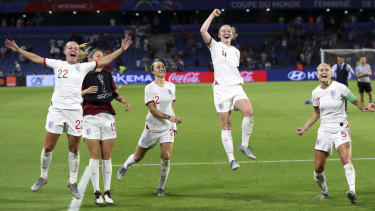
248	113
48	148
166	156
74	149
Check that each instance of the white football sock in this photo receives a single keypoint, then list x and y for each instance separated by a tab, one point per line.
94	170
73	166
226	138
130	161
247	128
107	173
350	176
163	174
45	161
320	180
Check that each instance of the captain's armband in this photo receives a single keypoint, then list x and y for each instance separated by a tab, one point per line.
351	98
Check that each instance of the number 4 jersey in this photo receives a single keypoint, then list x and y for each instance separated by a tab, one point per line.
68	82
163	97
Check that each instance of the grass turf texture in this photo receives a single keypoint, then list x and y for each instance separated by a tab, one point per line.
279	109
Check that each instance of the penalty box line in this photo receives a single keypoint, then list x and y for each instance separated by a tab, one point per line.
76	203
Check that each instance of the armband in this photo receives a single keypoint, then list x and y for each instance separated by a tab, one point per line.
351	98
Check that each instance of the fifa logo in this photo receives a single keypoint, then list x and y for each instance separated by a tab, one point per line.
101	79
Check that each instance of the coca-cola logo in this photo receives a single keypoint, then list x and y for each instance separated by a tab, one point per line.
247	76
191	77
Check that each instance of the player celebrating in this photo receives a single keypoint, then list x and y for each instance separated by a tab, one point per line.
99	128
65	111
160	124
329	106
228	92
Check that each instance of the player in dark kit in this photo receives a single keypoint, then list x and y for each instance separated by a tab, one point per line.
99	128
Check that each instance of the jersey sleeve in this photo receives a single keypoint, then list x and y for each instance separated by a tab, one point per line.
212	44
148	95
313	99
51	63
345	91
113	85
88	66
174	92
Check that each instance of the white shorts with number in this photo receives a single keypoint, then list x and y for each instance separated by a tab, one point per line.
64	120
327	139
101	126
149	139
226	96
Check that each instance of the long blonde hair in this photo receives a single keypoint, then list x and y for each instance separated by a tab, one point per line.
84	49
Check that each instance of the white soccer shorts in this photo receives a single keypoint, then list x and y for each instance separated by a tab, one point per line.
149	139
226	96
64	120
326	139
101	126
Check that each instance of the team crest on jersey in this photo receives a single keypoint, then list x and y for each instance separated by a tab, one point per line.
77	68
50	124
333	93
88	131
170	92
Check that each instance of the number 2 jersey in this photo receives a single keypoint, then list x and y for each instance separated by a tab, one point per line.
331	103
226	60
163	97
68	82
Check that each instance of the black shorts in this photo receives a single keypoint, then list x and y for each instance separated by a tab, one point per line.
364	86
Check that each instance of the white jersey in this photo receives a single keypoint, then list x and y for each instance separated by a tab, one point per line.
163	97
68	82
331	103
226	61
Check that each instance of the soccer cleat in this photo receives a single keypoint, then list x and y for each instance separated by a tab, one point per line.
121	173
247	151
41	181
160	192
234	165
74	189
352	197
107	197
322	196
98	198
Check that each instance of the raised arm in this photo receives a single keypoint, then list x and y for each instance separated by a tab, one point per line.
33	57
154	111
314	117
124	46
204	29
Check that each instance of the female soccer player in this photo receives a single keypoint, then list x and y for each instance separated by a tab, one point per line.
329	105
99	128
228	92
65	111
160	124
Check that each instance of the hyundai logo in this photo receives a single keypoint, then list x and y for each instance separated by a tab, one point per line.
296	75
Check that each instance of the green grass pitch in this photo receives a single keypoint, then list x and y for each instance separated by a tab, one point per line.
286	184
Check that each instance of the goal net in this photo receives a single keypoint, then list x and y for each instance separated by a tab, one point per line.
351	56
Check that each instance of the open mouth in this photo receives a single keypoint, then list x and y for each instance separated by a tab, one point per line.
226	36
72	55
324	76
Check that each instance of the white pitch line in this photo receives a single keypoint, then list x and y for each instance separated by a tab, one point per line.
262	161
75	204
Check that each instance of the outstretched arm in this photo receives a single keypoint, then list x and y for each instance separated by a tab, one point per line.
154	111
204	29
33	57
124	46
314	117
121	99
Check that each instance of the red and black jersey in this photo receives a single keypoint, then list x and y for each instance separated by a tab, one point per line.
100	101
